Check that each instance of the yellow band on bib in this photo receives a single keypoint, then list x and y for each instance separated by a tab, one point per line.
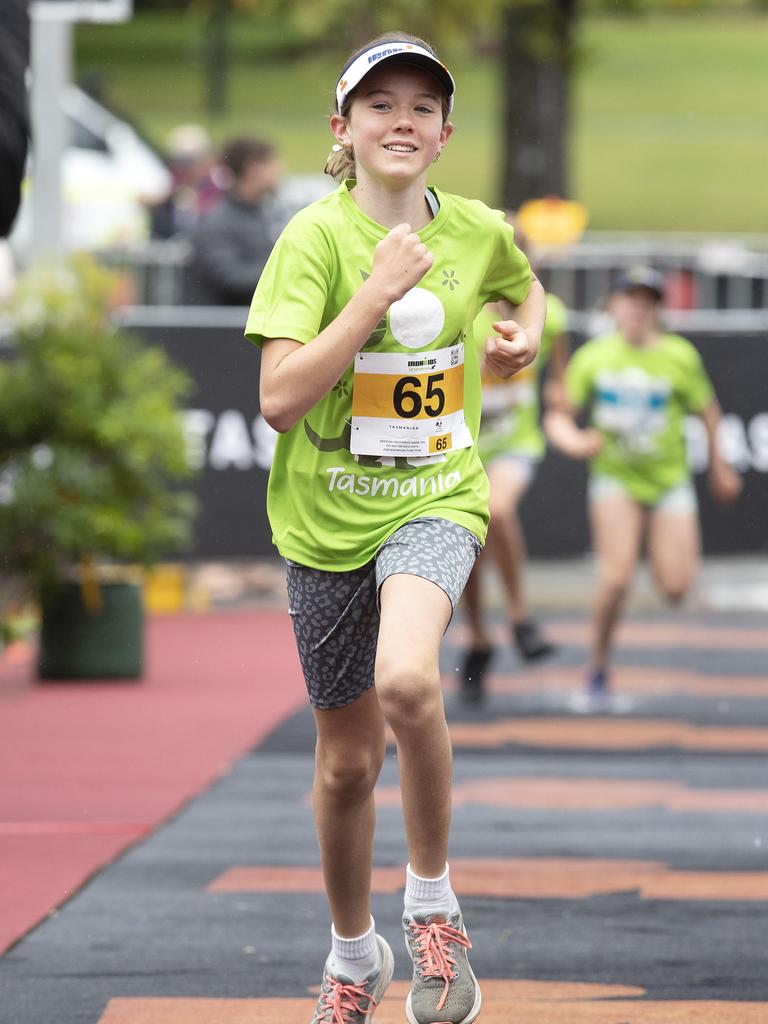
411	396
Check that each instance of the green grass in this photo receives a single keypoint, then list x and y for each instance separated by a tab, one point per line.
669	125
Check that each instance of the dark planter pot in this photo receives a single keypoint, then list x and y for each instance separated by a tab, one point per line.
77	642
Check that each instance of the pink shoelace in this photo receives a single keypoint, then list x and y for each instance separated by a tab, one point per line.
343	1000
435	958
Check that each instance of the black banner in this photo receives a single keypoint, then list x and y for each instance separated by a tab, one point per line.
233	445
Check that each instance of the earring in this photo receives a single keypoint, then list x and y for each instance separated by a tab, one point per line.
437	156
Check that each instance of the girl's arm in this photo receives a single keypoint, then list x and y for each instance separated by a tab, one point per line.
294	377
520	333
554	385
724	482
564	433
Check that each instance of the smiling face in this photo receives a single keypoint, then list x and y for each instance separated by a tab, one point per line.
395	125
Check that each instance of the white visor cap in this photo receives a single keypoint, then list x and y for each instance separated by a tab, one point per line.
404	53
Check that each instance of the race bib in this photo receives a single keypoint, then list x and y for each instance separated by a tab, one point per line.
409	404
503	394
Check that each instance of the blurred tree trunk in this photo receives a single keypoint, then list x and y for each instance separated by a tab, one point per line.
216	57
536	57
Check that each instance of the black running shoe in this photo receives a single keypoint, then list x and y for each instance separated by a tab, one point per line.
476	661
530	642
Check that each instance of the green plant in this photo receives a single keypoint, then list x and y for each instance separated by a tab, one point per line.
92	442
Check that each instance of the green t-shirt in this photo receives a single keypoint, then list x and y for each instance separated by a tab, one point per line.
510	420
639	399
328	508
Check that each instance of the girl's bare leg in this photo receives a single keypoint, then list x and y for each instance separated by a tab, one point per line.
673	551
349	755
473	605
414	615
506	544
617	528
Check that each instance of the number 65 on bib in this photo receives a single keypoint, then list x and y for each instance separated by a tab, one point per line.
409	404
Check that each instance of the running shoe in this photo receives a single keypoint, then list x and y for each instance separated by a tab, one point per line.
597	698
476	661
530	641
597	683
342	1001
443	990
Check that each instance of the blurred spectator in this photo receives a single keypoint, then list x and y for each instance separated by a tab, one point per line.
232	243
14	118
198	183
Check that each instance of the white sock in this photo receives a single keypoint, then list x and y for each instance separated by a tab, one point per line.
426	896
356	958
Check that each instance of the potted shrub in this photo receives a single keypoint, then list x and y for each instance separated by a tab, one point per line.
91	451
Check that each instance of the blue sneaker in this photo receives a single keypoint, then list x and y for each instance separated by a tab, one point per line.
597	683
597	699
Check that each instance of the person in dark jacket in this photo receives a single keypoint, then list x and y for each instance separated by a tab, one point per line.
231	244
196	187
14	115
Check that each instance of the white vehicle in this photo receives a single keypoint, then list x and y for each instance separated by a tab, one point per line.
109	176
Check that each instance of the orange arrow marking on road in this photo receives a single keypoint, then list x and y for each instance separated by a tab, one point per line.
503	1001
570	794
528	878
607	734
639	634
643	680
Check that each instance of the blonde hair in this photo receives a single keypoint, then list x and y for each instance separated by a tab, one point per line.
341	161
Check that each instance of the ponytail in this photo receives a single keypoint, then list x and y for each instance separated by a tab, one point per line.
341	162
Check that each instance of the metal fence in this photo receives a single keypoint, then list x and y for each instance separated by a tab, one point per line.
702	274
725	274
156	269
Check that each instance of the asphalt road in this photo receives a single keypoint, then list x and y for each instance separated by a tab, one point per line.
612	869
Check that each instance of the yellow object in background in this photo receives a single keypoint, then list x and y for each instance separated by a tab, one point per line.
165	589
552	220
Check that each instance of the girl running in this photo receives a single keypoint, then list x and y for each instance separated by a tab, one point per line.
511	445
640	382
377	497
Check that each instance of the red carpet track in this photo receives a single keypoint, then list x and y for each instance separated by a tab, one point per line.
88	768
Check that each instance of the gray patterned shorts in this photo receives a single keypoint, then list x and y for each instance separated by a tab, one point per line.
336	614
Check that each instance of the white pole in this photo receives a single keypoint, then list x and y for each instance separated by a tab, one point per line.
51	60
